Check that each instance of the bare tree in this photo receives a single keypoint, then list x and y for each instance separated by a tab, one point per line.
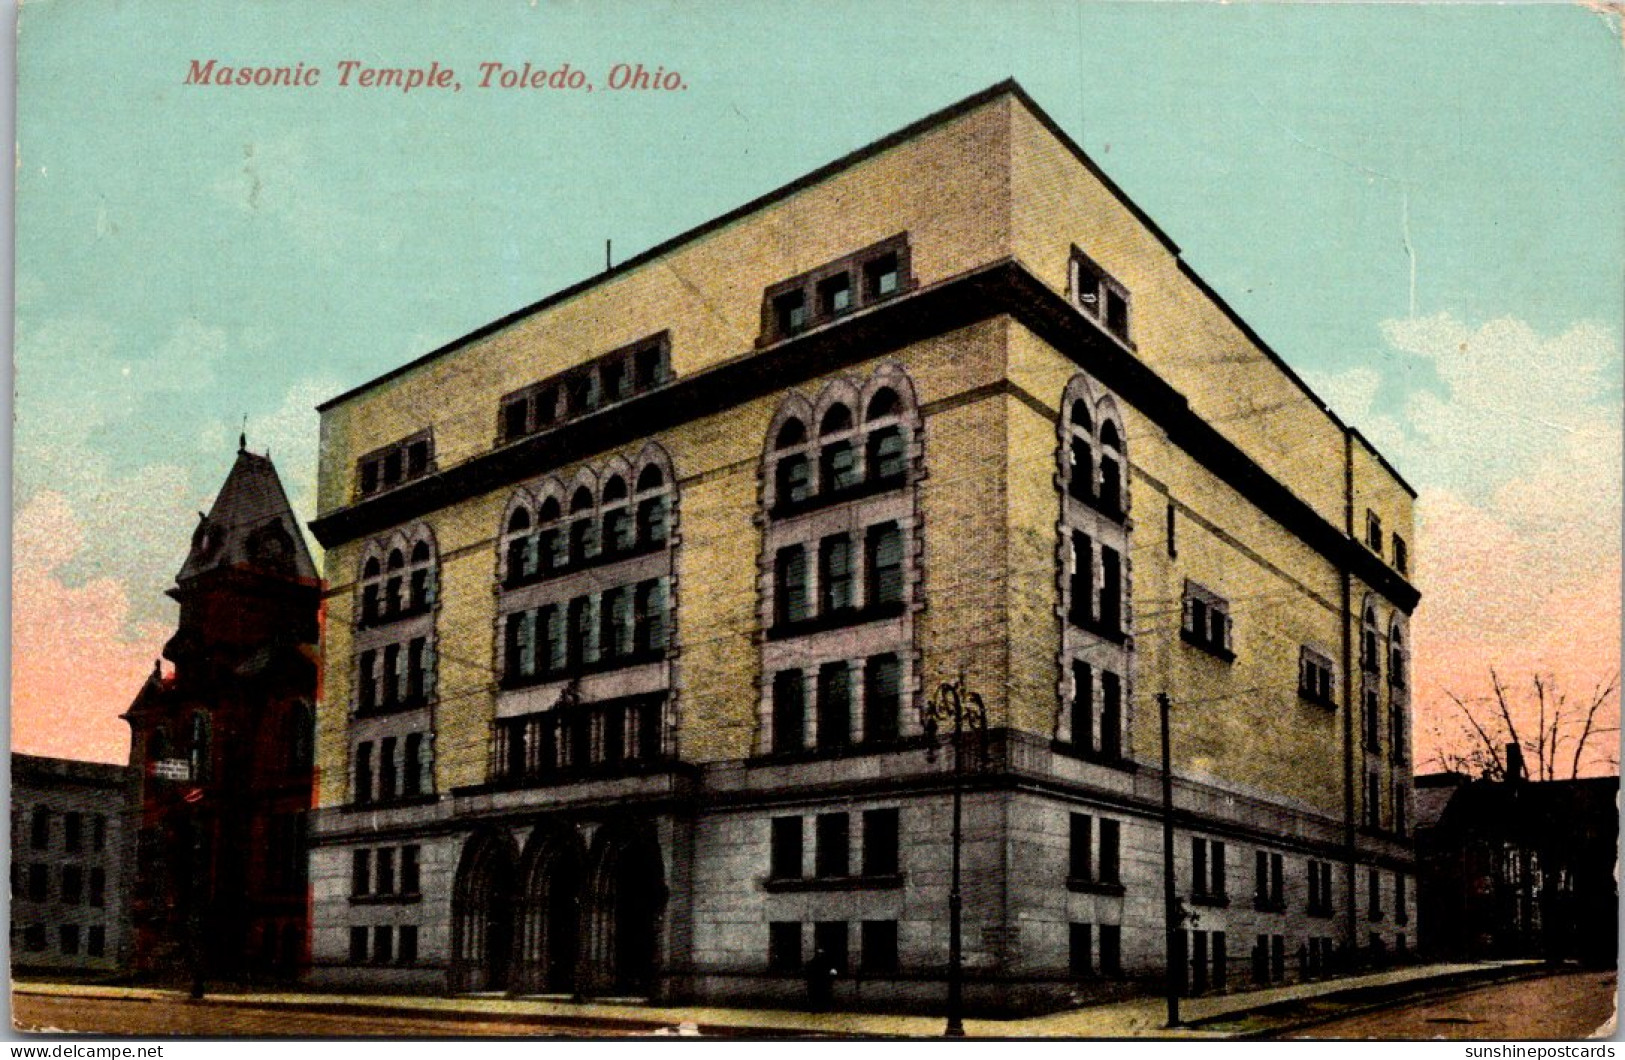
1555	732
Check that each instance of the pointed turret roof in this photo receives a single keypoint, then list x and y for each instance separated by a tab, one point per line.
251	525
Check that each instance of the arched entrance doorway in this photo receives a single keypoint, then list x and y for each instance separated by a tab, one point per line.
550	918
482	916
626	900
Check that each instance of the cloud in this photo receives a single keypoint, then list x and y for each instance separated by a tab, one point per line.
1517	458
76	663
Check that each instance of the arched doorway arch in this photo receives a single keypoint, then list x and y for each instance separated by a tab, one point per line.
482	917
625	909
553	881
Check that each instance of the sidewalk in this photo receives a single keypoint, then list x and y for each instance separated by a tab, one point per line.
1214	1017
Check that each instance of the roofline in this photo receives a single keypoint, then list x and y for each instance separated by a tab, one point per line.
1008	87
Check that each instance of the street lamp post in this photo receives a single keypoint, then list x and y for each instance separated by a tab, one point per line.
954	702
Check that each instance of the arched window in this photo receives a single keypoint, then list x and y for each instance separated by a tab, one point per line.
1370	656
617	534
1080	452
420	578
838	418
1111	468
520	547
837	460
653	508
197	747
371	584
1396	657
883	403
394	584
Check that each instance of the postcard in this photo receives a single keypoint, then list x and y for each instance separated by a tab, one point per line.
1048	520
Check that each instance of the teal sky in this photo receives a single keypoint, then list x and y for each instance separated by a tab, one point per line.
190	255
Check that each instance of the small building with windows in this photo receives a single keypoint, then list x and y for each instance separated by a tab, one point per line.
222	745
624	672
70	866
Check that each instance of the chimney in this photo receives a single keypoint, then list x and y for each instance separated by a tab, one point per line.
1515	772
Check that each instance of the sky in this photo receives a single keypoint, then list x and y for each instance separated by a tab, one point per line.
1417	206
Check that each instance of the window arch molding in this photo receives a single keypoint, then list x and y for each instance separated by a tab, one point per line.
791	440
398	576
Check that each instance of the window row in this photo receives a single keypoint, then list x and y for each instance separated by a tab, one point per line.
1097	697
1320	888
36	939
384	944
833	580
385	872
1205	622
832	844
1269	894
1095	853
1373	540
398	462
394	677
816	297
1374	818
73	830
556	544
607	380
1096	603
1099	295
1316	681
877	945
1095	950
395	767
845	461
76	886
1371	652
1398	724
573	738
838	718
397	588
620	626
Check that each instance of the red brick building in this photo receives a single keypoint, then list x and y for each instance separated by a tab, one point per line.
222	747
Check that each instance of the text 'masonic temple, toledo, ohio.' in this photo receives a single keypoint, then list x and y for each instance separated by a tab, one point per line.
635	597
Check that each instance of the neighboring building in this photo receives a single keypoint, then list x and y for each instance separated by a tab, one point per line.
1518	868
70	849
222	747
637	592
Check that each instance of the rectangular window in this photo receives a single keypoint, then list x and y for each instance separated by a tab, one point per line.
386	871
369	477
363	772
835	574
1081	480
73	884
790	312
784	946
1315	677
832	855
1110	850
1402	913
413	766
1080	950
616	616
649	366
1082	607
835	295
882	276
790	585
408	950
414	664
885	575
829	936
98	886
1401	555
879	941
98	833
1081	858
68	935
516	418
785	856
834	705
1083	706
789	711
358	944
1373	532
1267	882
72	831
1111	715
1206	622
616	383
409	870
367	697
96	945
1111	950
40	829
792	479
880	837
1207	870
886	457
651	626
387	773
882	698
1173	526
392	675
1373	894
38	883
1098	295
360	872
383	948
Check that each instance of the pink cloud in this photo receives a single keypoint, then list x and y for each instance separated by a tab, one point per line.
75	666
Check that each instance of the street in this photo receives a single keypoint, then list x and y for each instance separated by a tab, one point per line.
1570	1006
145	1018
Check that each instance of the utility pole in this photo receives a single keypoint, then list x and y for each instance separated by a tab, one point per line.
1170	904
964	708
